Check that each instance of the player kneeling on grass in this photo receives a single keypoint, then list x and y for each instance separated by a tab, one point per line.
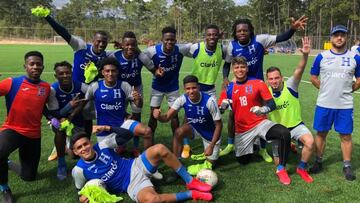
65	95
203	118
288	110
251	101
100	161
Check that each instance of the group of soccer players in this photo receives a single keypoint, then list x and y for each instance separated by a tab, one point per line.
104	82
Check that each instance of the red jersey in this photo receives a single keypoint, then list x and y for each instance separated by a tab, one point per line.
25	101
252	92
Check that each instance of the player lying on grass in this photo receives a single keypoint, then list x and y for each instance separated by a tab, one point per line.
288	110
251	101
203	118
99	161
66	94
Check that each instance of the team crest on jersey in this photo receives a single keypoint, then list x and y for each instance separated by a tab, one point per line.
248	89
41	91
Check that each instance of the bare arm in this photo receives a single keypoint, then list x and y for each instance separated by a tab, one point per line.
305	50
215	139
315	81
356	84
164	117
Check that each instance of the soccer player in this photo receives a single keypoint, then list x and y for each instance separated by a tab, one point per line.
66	94
356	47
251	101
25	98
288	110
208	56
131	63
204	119
253	47
336	68
111	97
167	57
130	175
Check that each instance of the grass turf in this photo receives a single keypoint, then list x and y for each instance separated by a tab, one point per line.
255	182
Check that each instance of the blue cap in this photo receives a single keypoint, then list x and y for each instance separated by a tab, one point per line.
338	28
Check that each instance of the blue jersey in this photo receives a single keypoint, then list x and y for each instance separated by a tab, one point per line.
81	58
202	115
130	69
109	167
171	64
62	98
253	52
110	102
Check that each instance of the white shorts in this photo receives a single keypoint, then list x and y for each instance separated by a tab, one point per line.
89	112
244	141
206	143
139	179
157	97
127	124
134	108
212	93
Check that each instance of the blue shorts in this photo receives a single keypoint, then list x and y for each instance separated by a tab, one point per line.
343	120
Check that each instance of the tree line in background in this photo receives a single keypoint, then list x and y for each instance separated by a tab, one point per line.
189	17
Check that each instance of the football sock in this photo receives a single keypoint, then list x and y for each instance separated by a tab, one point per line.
302	165
182	172
230	140
186	141
182	196
61	161
280	167
4	187
347	163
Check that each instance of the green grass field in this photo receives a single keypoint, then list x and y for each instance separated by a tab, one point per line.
255	182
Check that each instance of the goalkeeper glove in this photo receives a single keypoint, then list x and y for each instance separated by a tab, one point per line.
40	11
260	110
225	104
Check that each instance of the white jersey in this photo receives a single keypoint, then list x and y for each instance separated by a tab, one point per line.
336	73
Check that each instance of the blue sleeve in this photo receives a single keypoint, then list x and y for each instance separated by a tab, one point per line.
357	69
229	90
315	69
196	52
271	104
59	29
285	35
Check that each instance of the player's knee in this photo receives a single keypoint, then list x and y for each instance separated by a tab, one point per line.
153	198
148	132
162	149
308	142
179	133
345	138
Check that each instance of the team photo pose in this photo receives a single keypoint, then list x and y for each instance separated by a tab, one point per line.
251	101
334	106
66	94
203	119
99	161
22	127
288	110
167	57
245	43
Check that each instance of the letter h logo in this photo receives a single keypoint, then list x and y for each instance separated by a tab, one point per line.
345	61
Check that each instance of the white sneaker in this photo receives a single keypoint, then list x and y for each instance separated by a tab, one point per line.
157	175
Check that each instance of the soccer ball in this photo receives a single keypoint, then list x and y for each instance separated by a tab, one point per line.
207	176
96	182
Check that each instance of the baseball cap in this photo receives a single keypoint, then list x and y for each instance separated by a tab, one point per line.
338	28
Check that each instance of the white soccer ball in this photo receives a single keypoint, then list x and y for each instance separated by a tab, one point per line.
207	176
96	182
